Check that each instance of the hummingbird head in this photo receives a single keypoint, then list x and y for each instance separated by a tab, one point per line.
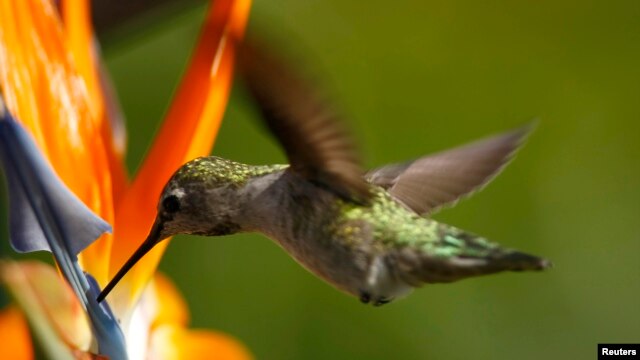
201	198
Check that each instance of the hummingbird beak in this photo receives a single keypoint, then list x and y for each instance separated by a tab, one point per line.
152	239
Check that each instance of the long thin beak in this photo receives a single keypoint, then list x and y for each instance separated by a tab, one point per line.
152	239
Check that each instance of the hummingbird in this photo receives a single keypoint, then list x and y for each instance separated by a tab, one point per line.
368	234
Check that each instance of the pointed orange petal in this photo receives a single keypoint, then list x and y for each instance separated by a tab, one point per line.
15	340
43	89
174	343
188	131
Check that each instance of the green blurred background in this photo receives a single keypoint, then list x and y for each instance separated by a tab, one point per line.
416	77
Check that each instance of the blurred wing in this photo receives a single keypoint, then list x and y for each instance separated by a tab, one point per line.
312	135
441	179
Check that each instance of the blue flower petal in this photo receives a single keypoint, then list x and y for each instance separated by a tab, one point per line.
45	215
105	326
36	194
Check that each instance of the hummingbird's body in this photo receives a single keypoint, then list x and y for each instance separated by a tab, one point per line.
367	234
370	251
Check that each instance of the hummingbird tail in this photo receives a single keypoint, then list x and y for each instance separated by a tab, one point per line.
420	269
501	260
518	261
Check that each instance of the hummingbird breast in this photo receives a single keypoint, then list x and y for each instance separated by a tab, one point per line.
307	221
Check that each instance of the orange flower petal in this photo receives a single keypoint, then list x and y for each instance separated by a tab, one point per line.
173	343
80	40
78	32
188	131
48	301
15	340
170	306
43	89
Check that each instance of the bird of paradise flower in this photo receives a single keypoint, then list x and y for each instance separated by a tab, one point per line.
51	80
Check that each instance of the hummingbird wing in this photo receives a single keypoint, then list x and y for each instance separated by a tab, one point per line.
314	139
434	181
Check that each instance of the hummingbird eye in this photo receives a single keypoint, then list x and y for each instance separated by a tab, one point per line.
171	204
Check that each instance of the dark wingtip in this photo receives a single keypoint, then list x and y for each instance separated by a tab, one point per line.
519	261
520	135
